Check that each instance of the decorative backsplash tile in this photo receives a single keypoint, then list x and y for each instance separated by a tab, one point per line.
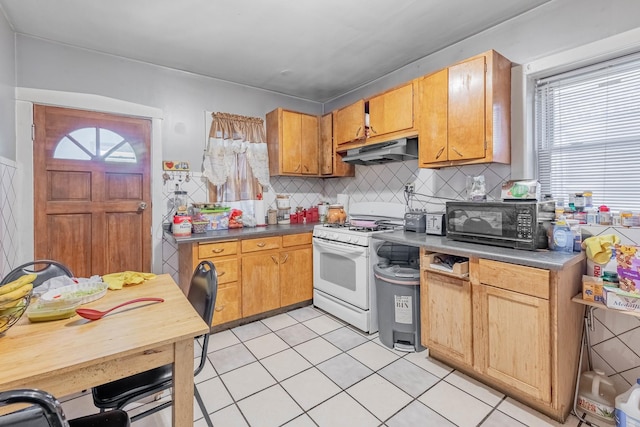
8	226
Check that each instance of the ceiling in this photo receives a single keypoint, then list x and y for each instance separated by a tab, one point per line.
315	50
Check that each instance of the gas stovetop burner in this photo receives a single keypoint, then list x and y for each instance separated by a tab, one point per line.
334	225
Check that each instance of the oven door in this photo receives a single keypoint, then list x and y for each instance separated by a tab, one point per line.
341	270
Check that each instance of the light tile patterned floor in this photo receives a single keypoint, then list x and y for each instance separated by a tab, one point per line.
306	368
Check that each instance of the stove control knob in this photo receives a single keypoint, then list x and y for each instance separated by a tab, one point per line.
347	239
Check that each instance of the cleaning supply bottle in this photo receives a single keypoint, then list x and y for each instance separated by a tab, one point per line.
628	407
596	395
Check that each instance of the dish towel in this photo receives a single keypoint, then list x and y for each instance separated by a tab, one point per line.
119	280
598	248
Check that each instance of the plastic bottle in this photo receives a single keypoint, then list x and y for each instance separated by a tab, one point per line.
628	407
605	216
597	395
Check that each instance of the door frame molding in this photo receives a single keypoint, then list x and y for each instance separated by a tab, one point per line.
25	98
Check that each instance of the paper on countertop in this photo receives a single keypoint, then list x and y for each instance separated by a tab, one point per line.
119	280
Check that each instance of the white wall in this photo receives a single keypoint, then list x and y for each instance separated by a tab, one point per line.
7	88
183	97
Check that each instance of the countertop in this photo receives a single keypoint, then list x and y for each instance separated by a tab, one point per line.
549	260
242	233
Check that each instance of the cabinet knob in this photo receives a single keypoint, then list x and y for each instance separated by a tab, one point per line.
261	244
439	153
217	250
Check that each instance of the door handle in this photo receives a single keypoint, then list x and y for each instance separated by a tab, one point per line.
439	153
217	250
220	308
275	260
286	257
358	131
221	273
261	244
142	206
372	129
456	151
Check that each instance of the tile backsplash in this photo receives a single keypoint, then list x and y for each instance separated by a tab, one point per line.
8	226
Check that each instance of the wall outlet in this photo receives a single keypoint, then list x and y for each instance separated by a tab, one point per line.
409	187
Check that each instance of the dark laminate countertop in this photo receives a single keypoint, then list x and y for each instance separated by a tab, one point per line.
242	233
549	260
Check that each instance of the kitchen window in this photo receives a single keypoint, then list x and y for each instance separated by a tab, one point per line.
587	132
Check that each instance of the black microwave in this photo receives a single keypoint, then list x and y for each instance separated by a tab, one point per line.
519	224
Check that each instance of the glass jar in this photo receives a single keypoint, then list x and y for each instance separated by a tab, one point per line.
605	216
626	218
579	202
336	215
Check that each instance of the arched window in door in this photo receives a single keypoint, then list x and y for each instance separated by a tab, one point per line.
95	143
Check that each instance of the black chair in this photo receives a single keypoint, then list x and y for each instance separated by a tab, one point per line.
50	269
117	394
46	411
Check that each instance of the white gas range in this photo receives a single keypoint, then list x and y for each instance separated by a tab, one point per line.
343	260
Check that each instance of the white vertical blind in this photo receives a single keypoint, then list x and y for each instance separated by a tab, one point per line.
587	131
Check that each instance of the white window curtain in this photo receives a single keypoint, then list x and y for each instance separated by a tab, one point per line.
236	161
587	130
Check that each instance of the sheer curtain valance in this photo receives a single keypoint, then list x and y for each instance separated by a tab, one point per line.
236	156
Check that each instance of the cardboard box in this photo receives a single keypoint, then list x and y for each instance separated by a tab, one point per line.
618	299
628	260
217	220
592	289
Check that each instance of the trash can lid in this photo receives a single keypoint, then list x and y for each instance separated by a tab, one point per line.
397	272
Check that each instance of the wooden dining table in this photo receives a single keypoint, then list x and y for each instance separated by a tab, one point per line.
75	354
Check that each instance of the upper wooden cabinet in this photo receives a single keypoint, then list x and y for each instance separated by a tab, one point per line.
331	163
391	115
348	124
465	113
292	141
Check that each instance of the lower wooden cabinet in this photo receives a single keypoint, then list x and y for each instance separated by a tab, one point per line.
511	326
445	309
254	275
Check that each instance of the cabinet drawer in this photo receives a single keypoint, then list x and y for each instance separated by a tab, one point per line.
296	239
209	250
263	244
517	278
227	270
227	304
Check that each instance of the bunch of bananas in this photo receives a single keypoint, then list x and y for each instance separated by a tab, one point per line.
12	302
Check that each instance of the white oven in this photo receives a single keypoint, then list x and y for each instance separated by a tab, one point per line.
343	260
342	281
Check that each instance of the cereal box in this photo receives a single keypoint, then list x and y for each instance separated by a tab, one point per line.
628	260
592	289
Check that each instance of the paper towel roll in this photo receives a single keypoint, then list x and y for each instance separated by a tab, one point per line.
343	199
258	209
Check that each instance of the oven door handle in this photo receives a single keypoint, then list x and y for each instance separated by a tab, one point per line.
342	248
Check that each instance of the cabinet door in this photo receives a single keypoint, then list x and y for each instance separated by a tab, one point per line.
434	95
326	144
296	276
227	304
309	144
349	123
290	144
392	111
466	116
511	339
260	283
446	316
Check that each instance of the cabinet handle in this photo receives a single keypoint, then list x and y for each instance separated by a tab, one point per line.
297	169
306	168
219	308
358	131
372	129
439	153
286	257
261	244
457	152
275	260
221	273
217	251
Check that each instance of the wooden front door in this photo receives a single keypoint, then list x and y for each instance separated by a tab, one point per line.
92	192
